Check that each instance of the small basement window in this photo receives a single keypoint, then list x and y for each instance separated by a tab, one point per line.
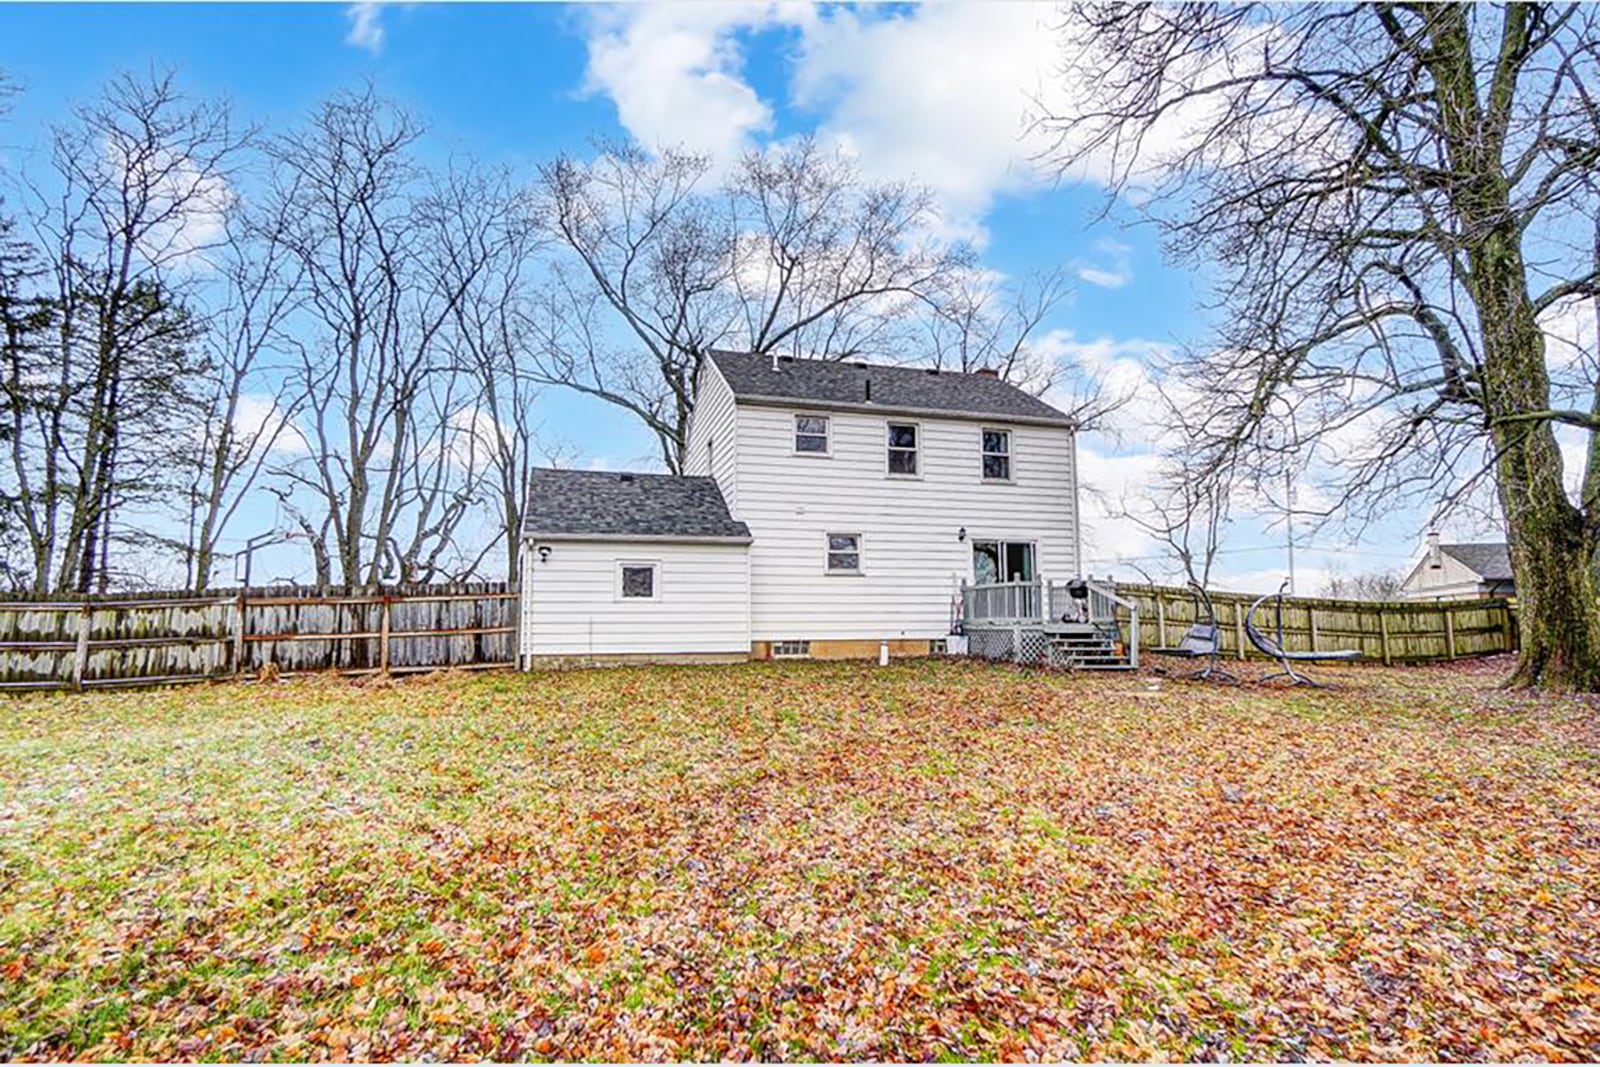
844	553
637	581
811	434
791	650
939	646
997	455
902	448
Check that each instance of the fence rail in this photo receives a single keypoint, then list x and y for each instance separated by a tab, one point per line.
1385	632
168	638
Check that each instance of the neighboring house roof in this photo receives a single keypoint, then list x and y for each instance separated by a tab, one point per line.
1489	560
877	387
613	506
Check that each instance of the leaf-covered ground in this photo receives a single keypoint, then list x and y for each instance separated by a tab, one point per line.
934	860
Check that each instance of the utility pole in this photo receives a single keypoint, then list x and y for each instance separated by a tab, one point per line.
1288	523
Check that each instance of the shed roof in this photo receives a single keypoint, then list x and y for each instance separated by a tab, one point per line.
618	506
1489	560
876	386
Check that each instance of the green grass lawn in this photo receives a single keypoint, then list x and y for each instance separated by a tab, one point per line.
933	860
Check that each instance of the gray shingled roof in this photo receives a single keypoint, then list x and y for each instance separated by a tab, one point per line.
1490	560
875	386
612	505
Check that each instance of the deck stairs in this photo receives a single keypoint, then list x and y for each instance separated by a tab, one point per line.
1087	647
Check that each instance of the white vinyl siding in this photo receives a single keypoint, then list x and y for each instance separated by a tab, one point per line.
713	429
573	606
1450	580
912	555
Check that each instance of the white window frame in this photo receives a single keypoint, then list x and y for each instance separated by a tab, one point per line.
655	580
828	551
827	434
1010	454
888	449
792	648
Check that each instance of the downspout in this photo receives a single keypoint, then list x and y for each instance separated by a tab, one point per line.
1077	510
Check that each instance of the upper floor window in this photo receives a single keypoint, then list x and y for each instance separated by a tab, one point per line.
811	434
902	448
997	455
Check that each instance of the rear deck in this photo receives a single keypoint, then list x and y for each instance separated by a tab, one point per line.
1079	624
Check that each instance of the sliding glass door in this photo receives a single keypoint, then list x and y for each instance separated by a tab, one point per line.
1002	561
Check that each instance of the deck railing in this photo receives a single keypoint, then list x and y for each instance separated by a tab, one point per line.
1002	602
1042	602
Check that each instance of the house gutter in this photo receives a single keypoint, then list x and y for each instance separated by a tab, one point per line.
759	400
673	539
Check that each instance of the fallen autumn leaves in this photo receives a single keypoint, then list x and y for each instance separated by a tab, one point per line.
800	861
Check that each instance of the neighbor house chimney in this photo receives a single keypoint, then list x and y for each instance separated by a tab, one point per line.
987	372
1435	557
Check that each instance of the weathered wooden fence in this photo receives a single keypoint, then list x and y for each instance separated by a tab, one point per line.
179	637
1385	632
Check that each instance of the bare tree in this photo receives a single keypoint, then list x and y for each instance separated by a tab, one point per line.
1387	193
976	322
1367	585
494	345
382	484
794	253
138	182
247	406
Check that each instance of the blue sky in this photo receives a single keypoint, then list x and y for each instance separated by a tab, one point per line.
937	94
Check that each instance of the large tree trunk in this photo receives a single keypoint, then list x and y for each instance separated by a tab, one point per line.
1558	602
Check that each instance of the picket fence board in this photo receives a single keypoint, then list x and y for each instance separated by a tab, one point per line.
163	638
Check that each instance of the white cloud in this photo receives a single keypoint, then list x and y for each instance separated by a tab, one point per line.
1104	278
187	209
1114	276
259	416
1125	368
1574	444
366	26
1108	482
675	72
939	93
1572	349
1308	581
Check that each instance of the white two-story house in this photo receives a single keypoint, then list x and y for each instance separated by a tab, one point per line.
825	509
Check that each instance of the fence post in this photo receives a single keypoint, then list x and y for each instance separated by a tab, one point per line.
1238	626
1311	621
1161	620
238	634
1450	632
383	637
80	661
1383	635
